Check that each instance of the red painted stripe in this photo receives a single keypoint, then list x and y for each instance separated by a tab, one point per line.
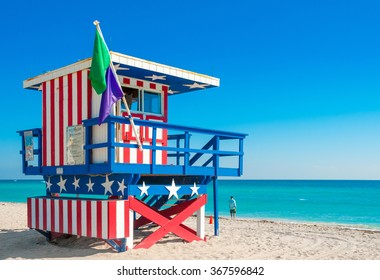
99	221
44	124
111	219
60	207
89	98
147	135
88	218
140	157
154	118
123	132
126	218
140	83
79	95
164	143
44	209
79	217
69	216
124	136
37	215
126	81
52	215
152	86
70	99
52	124
127	154
29	204
61	116
165	90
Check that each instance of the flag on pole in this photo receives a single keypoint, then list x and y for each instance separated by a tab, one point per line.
103	78
110	96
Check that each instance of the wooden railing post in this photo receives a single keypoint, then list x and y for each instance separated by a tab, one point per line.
111	143
241	156
216	156
154	143
39	134
186	158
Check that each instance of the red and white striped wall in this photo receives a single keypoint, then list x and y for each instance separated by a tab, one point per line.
66	101
105	219
134	155
70	99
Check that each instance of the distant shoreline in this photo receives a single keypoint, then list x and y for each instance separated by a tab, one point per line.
351	204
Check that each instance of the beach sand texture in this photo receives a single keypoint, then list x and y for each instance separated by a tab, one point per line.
238	239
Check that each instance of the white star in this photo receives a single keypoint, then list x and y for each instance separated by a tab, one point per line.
194	190
121	187
48	184
37	87
144	189
61	184
155	77
89	185
76	183
196	85
117	67
173	189
107	186
172	92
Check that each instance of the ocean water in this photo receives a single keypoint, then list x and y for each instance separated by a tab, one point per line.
20	190
353	203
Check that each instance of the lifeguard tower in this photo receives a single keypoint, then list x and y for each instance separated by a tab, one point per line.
99	183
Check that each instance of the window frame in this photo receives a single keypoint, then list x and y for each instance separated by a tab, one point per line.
141	99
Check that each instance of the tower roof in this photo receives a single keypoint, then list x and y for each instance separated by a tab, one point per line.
178	80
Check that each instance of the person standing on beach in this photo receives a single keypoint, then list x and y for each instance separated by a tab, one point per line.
232	204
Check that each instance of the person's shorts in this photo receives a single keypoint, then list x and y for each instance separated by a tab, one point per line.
232	211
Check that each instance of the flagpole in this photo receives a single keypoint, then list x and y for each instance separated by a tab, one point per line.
96	23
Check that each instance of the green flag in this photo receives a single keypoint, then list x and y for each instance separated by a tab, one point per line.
100	62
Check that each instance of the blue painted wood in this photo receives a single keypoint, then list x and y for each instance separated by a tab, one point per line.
154	145
186	151
111	143
200	154
39	151
88	137
162	190
139	122
241	157
116	246
36	132
216	156
183	164
121	185
216	206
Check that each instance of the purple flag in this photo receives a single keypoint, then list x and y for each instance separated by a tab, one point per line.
112	94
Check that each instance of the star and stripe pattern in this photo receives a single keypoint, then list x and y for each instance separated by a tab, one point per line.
69	99
66	101
117	185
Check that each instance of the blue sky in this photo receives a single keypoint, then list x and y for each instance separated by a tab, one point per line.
302	78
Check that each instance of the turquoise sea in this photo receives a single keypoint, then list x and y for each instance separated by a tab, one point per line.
353	203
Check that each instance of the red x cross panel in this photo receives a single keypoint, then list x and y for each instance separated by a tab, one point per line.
167	223
168	212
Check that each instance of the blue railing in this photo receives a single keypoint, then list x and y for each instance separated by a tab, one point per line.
190	151
34	166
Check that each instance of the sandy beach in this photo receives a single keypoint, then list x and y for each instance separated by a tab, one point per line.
238	239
